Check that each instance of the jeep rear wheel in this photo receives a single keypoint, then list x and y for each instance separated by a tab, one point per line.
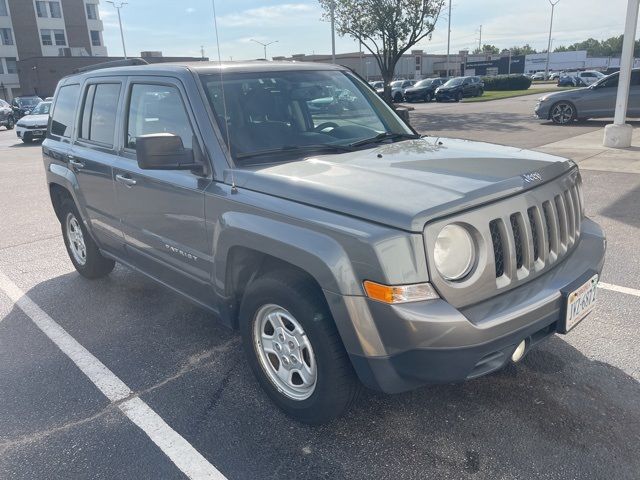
82	250
294	349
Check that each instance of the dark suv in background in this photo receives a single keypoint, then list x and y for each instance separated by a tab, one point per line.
6	115
424	90
458	88
23	105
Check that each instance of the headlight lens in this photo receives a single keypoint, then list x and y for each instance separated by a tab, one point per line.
454	253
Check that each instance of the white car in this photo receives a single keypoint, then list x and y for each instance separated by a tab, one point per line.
34	126
588	77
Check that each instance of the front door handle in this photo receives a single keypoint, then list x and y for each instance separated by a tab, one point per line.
125	180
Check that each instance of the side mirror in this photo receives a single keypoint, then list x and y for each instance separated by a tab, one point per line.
164	151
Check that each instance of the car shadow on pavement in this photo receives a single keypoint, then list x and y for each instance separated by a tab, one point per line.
557	414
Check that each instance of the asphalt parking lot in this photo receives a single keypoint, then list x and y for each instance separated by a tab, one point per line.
570	410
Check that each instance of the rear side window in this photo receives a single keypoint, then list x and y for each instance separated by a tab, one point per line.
64	111
157	109
99	113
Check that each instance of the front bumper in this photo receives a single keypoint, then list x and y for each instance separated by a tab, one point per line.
421	343
30	133
541	110
447	95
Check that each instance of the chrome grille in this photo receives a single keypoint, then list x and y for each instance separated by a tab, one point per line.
519	238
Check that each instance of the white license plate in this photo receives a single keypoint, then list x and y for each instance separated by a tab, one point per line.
38	133
581	302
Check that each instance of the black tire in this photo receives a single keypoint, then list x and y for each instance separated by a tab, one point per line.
95	265
428	98
480	92
563	113
459	96
398	97
336	386
27	139
10	123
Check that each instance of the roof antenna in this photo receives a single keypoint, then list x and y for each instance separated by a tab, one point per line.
234	189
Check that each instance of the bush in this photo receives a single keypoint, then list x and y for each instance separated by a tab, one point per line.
507	82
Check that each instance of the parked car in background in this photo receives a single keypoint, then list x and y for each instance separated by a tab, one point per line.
6	115
588	77
538	76
458	88
377	85
595	101
567	80
23	105
424	90
554	75
34	126
397	89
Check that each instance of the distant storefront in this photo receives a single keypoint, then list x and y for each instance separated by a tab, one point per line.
499	66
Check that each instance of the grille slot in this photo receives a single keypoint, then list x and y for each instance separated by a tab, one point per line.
517	239
534	221
496	239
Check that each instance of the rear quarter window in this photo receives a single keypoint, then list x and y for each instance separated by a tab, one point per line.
62	118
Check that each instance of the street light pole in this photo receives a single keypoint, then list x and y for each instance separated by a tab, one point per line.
264	45
333	32
553	6
118	5
449	40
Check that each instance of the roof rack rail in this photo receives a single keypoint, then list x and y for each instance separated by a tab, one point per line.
129	62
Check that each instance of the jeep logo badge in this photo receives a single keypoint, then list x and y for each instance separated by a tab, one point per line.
532	177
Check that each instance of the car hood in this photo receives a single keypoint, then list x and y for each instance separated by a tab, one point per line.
33	120
565	95
418	89
405	184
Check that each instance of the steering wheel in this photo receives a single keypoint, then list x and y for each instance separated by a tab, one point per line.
323	126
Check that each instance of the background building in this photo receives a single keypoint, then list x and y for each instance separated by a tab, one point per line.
36	29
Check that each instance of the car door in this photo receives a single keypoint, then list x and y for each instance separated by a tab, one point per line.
633	110
92	156
600	101
467	87
162	211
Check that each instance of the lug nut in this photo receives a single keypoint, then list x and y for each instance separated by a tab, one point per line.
281	337
291	345
293	359
285	360
277	346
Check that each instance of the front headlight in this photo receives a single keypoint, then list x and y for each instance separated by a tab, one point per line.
454	253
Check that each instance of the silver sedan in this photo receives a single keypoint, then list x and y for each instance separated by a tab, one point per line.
596	101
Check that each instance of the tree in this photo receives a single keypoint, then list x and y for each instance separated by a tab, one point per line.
611	47
487	50
523	50
386	28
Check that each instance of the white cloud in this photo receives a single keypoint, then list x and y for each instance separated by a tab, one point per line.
272	15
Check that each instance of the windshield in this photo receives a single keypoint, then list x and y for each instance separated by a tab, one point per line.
454	82
424	83
28	101
268	112
42	109
397	83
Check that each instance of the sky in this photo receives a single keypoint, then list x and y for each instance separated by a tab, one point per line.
183	27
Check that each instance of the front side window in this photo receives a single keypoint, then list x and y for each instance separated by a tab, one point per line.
45	35
95	38
6	36
12	64
100	110
41	9
92	11
60	37
64	110
157	109
55	9
297	111
454	82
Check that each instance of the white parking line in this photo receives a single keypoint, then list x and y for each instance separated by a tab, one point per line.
172	444
617	288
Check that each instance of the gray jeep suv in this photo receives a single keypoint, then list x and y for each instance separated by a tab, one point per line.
347	249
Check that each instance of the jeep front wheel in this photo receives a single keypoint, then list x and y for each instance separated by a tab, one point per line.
294	349
82	250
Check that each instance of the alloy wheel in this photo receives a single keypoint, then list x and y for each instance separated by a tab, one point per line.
75	238
562	113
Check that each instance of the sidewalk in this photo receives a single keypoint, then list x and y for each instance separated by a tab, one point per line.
587	150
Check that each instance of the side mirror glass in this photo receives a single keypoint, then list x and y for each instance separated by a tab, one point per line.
164	151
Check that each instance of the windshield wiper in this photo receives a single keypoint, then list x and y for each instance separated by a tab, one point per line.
385	136
296	148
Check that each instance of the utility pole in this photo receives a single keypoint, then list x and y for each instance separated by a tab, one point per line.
202	52
333	32
448	39
480	40
553	6
264	45
118	5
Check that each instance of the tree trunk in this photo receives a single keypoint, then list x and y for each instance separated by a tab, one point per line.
387	77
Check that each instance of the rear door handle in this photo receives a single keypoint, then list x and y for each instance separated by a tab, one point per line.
74	163
125	180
